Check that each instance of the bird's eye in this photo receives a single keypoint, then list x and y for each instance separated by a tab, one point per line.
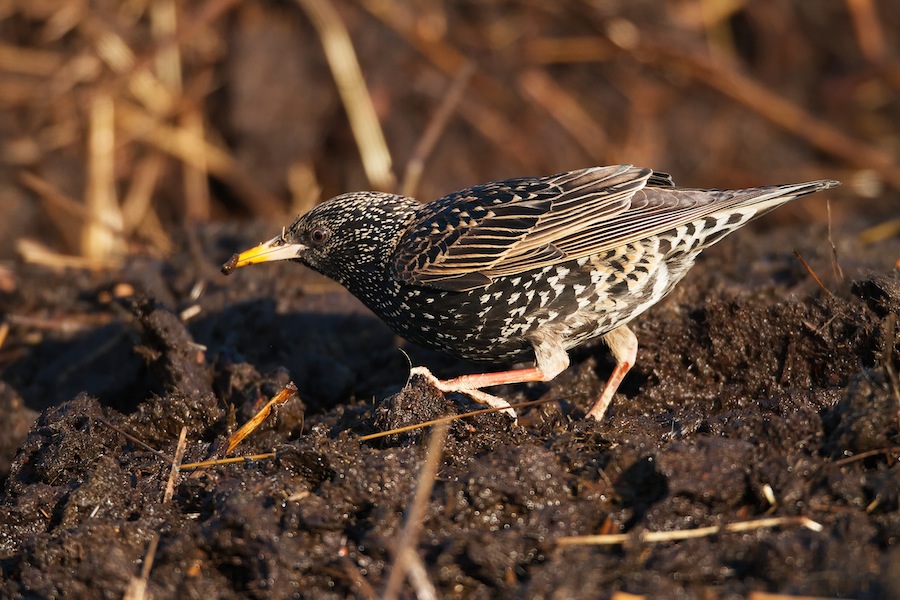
319	236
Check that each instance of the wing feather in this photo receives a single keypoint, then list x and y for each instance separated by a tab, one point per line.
465	240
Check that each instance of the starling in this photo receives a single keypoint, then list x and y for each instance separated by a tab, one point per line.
524	269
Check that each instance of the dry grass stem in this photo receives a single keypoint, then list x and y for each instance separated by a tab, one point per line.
247	428
417	575
119	57
551	50
164	25
409	536
443	420
139	217
562	106
4	332
186	146
863	455
196	175
137	586
138	199
686	534
29	61
100	196
777	596
812	273
227	461
136	441
436	126
35	253
869	34
304	187
176	466
61	208
501	132
880	232
715	16
480	107
353	91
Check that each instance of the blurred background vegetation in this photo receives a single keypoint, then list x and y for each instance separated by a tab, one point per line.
122	121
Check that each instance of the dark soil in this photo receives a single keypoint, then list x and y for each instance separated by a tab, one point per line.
757	393
749	378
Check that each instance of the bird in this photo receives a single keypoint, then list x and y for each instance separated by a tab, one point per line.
521	270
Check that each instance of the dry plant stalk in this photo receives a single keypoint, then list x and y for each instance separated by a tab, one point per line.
404	556
562	106
869	34
164	24
354	94
429	139
686	534
100	196
247	428
137	586
200	153
176	466
490	122
35	253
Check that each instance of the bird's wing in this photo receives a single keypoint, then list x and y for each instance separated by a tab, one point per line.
470	237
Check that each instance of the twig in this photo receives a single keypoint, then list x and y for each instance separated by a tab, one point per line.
566	110
442	420
100	195
869	34
176	465
137	586
835	265
227	461
286	393
164	24
36	253
887	357
436	126
196	151
686	534
867	454
413	524
353	91
135	440
490	122
880	232
757	595
812	273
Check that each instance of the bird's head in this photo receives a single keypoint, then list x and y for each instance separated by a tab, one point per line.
344	238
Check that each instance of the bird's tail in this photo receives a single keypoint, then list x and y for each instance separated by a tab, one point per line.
764	199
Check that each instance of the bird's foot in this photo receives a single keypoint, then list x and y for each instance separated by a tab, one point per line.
457	385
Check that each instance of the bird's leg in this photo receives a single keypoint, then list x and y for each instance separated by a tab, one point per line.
469	384
550	357
623	344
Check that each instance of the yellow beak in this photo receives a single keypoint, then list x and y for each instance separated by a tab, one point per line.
274	249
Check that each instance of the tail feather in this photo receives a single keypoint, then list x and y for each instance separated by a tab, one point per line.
764	199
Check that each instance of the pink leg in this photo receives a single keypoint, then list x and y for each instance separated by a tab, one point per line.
551	359
623	345
470	384
480	380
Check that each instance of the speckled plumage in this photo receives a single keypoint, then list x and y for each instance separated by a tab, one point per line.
524	269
